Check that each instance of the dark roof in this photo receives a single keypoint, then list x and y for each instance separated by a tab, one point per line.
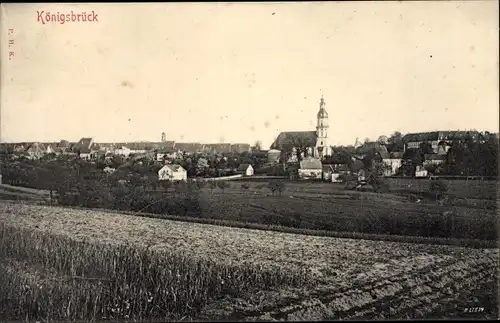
243	167
240	148
439	135
421	136
310	163
327	168
218	148
36	147
165	150
63	144
165	145
435	157
190	147
85	142
290	139
139	145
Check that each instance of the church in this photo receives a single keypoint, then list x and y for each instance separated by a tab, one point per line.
315	143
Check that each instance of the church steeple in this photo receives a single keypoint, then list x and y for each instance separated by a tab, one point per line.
322	129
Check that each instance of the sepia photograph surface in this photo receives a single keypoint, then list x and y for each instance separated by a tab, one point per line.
281	161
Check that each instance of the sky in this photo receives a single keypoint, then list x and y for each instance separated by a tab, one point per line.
242	72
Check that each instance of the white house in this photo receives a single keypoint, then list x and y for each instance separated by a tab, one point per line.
392	161
245	169
172	173
420	172
310	168
86	154
123	151
49	150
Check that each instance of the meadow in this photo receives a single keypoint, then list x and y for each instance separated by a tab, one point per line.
63	264
464	214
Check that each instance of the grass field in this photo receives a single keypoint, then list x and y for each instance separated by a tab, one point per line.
475	189
86	264
326	206
329	207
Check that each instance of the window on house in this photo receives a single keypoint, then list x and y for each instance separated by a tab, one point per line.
321	143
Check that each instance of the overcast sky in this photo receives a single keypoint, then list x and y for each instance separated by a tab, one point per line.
242	72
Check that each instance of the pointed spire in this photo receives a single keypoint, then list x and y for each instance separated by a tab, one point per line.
321	102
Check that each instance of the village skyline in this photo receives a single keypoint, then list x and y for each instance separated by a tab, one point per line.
122	79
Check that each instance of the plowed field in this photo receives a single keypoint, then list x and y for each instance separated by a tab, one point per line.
343	278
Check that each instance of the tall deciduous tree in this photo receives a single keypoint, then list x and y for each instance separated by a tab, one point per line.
395	142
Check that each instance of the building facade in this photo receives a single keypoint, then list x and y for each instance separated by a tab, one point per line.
172	173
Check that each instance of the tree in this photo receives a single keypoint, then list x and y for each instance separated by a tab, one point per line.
411	159
383	140
275	185
272	186
301	147
426	148
280	186
166	184
181	187
284	157
212	184
202	167
223	185
438	189
117	161
395	142
258	146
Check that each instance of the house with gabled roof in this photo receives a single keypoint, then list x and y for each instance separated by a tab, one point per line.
393	161
84	148
172	173
245	169
35	151
310	168
219	148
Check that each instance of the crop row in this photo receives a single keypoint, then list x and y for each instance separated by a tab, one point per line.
424	290
118	280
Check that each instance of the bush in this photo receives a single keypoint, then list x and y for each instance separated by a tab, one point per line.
438	188
223	185
381	186
276	186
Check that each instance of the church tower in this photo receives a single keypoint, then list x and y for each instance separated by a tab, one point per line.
163	137
322	147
